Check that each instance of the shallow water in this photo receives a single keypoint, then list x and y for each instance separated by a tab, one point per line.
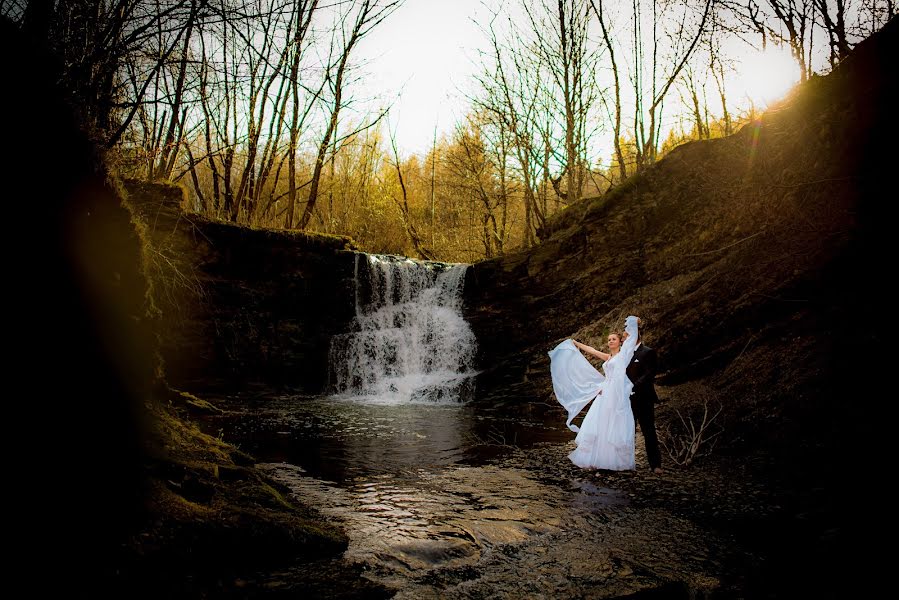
342	441
462	500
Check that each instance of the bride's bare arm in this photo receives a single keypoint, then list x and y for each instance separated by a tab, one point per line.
592	350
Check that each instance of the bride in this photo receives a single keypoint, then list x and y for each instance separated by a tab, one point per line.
605	439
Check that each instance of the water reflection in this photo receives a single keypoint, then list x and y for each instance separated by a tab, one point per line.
592	497
342	441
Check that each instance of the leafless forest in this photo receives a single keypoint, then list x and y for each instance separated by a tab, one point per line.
257	107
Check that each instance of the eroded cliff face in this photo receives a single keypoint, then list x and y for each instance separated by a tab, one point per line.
243	306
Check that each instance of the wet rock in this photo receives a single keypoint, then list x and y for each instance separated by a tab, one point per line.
243	306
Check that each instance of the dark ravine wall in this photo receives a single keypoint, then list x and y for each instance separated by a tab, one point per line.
76	336
760	263
113	490
243	306
728	248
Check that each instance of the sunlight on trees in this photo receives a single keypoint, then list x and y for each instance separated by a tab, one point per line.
255	105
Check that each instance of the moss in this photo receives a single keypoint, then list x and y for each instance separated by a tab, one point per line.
343	242
153	195
209	513
279	498
197	403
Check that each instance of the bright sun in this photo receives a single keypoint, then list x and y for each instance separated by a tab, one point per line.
765	76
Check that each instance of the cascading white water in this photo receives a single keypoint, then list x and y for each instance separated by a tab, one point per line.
409	342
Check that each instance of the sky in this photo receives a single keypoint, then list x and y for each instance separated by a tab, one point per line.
423	57
419	58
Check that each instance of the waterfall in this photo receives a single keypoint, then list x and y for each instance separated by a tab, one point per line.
409	342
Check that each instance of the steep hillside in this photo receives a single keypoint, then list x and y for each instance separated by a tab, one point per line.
730	249
759	263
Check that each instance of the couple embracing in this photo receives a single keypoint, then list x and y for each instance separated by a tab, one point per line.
605	439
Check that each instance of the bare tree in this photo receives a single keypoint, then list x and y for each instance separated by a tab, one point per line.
717	66
403	204
510	91
795	22
709	65
835	25
169	150
538	81
370	14
96	39
874	14
598	9
560	34
792	24
263	73
302	19
683	37
694	85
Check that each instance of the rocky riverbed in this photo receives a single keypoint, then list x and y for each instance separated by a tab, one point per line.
471	502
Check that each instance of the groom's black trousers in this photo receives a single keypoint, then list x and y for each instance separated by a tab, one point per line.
645	415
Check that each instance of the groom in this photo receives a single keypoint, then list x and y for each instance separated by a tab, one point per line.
642	371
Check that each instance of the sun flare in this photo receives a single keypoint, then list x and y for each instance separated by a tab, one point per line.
766	76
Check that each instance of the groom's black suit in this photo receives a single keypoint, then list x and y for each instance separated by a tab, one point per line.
642	372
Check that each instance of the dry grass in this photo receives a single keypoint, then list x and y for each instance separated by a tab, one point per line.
695	433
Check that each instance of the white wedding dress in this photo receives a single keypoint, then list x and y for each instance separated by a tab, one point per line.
605	439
